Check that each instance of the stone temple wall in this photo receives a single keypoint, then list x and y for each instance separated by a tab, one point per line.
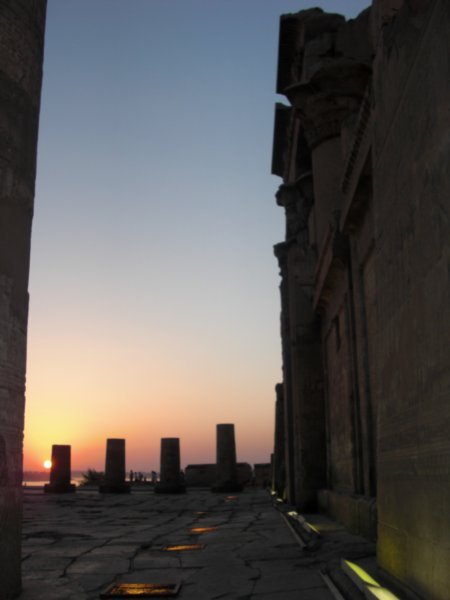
411	186
363	152
21	54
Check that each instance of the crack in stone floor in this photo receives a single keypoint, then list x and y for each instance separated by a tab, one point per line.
77	547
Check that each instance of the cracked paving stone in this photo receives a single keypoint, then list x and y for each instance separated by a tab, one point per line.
75	549
91	582
116	551
149	561
287	580
314	594
87	564
160	575
56	590
215	583
201	558
65	551
44	563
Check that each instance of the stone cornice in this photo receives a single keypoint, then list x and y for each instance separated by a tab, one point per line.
295	31
330	63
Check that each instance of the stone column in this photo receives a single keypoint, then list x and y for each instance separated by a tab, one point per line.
325	81
226	466
305	449
60	473
279	475
114	481
170	480
281	253
326	89
22	24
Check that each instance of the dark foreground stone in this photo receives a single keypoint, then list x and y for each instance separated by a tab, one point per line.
75	546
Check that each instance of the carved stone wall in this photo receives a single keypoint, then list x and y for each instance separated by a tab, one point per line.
330	66
21	55
411	185
370	108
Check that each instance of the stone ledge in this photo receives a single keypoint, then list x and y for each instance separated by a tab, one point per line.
357	513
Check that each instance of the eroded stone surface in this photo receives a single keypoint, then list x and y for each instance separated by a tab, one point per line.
226	465
365	279
171	481
252	554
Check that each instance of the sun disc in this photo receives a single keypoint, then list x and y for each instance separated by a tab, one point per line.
47	464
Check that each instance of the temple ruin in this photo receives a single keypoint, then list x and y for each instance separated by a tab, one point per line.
362	147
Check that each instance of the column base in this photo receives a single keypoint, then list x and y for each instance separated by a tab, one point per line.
59	488
114	488
169	488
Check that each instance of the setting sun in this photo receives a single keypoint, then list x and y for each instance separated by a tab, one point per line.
47	464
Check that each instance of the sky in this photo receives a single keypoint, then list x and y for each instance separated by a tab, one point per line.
154	302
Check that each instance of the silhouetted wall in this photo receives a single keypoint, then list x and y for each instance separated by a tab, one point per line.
21	54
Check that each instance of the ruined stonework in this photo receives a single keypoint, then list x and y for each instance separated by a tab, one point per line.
60	473
204	475
171	480
363	152
262	474
21	55
226	466
114	479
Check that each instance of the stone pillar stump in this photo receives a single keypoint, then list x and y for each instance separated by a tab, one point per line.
114	481
226	466
170	480
60	472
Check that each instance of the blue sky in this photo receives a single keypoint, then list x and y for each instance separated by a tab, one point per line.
154	290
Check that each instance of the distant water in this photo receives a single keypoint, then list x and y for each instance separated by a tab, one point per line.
40	478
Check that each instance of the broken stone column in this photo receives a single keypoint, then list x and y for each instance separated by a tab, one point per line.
114	481
226	467
170	479
22	24
60	473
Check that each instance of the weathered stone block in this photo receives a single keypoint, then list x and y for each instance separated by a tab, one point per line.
226	467
114	481
170	481
60	474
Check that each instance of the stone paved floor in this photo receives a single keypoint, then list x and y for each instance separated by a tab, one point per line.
76	544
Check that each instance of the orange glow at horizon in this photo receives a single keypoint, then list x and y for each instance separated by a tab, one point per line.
86	386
